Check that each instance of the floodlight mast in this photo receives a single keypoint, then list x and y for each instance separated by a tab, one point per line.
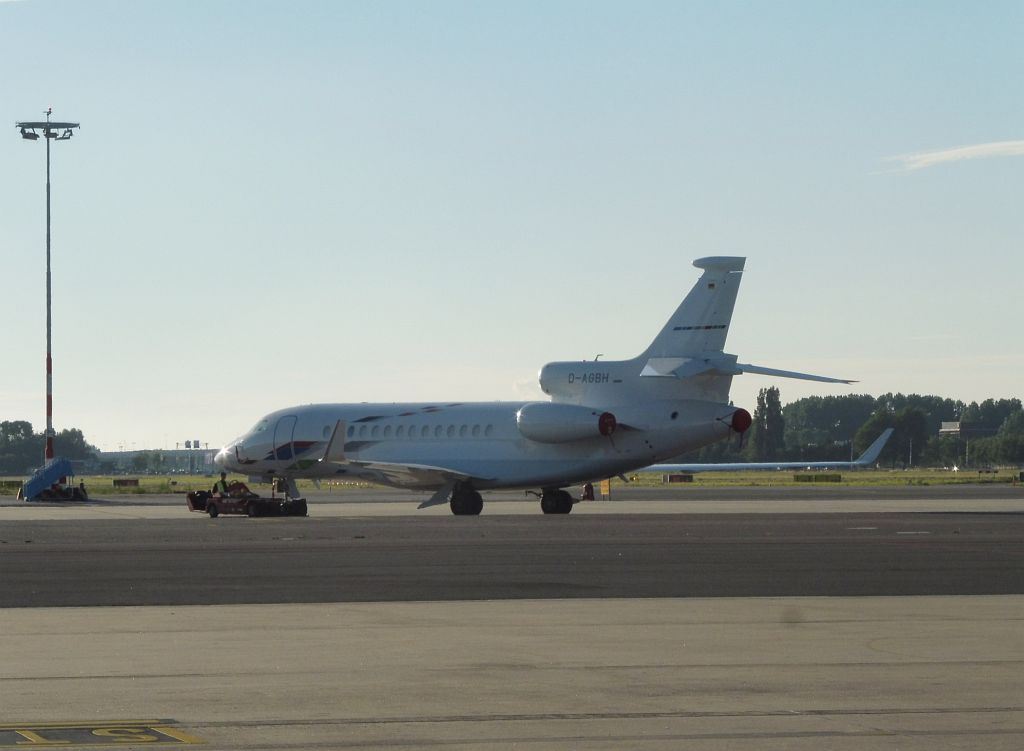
50	133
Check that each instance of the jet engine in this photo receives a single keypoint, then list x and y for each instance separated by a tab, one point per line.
547	422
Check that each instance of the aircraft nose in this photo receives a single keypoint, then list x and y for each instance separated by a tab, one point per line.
221	459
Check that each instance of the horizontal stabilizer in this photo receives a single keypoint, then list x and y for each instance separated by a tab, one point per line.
720	365
675	367
747	368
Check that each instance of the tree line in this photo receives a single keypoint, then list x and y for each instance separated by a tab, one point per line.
21	452
21	449
834	428
815	428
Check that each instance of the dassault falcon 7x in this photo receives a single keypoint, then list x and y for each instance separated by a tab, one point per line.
604	418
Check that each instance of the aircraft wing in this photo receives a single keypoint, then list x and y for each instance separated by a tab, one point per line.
866	459
416	476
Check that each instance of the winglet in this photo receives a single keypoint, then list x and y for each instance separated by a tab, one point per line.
335	451
871	454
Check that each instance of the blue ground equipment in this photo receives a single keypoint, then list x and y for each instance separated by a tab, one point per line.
44	478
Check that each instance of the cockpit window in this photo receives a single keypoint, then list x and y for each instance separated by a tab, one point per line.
256	430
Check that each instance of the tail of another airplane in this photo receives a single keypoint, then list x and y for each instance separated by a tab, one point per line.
870	455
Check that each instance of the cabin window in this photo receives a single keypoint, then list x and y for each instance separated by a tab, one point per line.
451	431
476	431
362	431
463	431
488	431
438	431
351	431
376	431
327	431
387	431
425	431
400	431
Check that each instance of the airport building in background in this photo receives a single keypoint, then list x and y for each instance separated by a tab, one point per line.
194	461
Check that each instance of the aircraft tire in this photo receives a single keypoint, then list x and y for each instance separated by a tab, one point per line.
466	503
556	502
212	510
252	510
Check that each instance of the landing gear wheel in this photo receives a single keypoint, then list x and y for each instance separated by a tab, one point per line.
555	501
466	502
252	510
212	510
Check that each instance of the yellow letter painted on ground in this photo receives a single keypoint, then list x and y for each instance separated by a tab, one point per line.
126	735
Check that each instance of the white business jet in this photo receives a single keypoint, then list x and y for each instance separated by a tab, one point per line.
604	418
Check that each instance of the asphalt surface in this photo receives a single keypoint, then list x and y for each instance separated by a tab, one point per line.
235	560
664	619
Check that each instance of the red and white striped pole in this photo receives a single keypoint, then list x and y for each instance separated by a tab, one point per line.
49	321
51	132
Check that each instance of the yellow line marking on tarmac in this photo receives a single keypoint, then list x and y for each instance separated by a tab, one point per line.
82	724
177	734
93	734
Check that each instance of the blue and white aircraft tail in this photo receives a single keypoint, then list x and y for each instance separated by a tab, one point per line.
865	460
604	418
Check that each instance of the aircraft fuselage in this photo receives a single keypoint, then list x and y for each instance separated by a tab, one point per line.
482	440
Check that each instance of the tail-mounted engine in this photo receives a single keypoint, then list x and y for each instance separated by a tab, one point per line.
548	422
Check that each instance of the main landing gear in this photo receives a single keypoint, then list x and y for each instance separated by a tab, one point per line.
466	501
555	501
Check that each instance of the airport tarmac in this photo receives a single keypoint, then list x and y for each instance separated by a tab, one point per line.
624	628
387	502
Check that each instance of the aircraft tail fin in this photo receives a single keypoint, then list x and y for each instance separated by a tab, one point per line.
686	360
701	322
870	455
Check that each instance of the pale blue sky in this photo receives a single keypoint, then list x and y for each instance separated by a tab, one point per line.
273	203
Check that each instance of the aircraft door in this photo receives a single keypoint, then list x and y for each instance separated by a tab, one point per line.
284	435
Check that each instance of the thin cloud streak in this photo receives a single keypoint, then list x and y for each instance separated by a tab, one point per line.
921	160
